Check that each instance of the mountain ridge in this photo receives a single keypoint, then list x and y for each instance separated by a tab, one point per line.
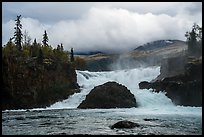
157	44
151	54
149	46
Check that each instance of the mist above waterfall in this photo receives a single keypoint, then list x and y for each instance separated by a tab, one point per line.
127	63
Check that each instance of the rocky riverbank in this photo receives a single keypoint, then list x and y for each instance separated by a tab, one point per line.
182	81
29	84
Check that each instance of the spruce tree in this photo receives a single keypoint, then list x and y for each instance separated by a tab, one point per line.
35	42
62	47
40	57
72	55
34	49
193	38
58	47
18	33
45	39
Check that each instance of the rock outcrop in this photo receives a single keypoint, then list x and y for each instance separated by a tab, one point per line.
124	124
184	88
109	95
34	85
172	66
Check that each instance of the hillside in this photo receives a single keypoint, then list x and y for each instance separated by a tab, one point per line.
157	44
145	55
159	48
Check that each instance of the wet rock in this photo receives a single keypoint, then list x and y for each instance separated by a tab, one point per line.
20	118
109	95
150	119
144	85
124	124
184	88
62	133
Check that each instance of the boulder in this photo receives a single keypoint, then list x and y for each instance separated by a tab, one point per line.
150	119
124	124
109	95
144	85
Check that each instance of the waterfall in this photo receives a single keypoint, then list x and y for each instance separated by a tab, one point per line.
128	77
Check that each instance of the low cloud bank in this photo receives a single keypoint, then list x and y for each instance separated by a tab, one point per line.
108	29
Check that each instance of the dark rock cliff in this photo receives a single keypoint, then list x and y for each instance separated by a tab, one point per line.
28	84
181	79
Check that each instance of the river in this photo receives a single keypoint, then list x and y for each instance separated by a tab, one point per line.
156	114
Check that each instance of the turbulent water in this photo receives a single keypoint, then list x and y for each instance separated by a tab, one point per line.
64	117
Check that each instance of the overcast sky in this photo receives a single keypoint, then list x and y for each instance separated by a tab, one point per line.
103	26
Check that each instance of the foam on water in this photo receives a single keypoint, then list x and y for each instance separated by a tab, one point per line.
129	77
148	102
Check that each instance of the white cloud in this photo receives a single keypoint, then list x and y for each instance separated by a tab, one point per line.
109	29
7	31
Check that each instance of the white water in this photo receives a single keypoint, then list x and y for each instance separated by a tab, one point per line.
176	119
130	78
149	102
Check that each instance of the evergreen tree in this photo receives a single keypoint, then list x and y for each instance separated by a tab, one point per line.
194	37
9	49
40	57
45	39
62	47
18	34
34	42
72	55
10	41
34	49
58	47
